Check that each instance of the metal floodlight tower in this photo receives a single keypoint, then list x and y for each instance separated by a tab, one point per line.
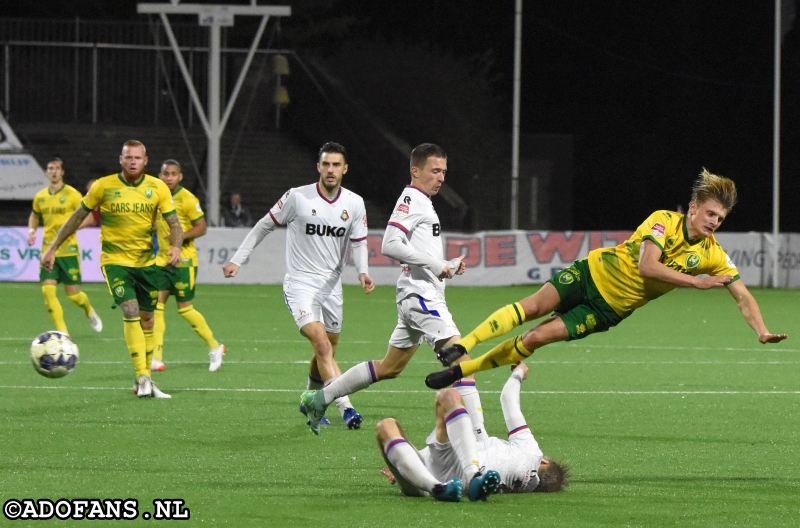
215	17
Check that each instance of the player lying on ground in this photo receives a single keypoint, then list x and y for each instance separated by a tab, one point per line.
453	455
594	294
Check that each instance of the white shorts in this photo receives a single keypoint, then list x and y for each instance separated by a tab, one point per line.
441	460
419	319
308	304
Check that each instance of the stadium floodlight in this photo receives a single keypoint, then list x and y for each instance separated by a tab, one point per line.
214	16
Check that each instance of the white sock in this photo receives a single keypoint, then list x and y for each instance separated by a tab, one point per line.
342	402
405	459
353	380
472	402
461	437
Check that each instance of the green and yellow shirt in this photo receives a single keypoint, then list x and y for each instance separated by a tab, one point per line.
616	270
128	212
54	209
187	206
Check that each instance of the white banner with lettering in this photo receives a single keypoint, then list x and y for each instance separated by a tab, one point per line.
497	258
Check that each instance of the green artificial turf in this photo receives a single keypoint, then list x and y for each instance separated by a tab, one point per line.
677	417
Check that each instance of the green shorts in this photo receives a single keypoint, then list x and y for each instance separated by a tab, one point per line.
126	283
66	270
582	308
178	281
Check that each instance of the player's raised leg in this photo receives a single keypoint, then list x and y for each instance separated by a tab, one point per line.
407	467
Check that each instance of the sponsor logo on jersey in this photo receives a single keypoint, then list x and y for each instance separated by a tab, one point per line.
729	261
345	216
402	209
658	229
197	206
279	205
407	200
313	212
323	230
591	322
692	261
364	219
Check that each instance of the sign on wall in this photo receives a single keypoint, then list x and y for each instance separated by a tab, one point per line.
496	258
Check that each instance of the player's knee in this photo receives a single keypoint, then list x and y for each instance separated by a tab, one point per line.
388	372
386	428
448	398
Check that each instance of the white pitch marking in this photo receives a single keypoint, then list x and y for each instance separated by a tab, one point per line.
590	393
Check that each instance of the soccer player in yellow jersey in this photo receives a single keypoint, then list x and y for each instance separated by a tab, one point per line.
130	202
179	280
53	205
667	251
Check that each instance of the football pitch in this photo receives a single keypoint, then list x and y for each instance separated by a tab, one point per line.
677	417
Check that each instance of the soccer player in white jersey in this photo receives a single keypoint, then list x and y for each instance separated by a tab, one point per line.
322	218
453	454
413	237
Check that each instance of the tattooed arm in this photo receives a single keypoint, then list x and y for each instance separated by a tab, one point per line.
176	238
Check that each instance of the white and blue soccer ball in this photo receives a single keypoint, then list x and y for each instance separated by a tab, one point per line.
54	354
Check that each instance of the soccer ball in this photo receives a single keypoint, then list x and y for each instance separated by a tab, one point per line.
54	354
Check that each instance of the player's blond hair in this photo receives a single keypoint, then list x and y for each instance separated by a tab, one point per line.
711	186
135	143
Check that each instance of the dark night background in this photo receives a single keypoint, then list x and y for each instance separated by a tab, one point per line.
651	92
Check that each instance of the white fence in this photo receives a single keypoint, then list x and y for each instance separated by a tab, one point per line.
496	258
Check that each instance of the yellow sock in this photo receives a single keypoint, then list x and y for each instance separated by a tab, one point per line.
134	338
54	307
199	324
82	300
148	347
508	352
499	323
159	328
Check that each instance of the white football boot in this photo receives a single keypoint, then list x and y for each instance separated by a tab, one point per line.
215	357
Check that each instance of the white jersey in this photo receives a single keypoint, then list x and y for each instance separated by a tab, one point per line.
414	215
517	460
319	231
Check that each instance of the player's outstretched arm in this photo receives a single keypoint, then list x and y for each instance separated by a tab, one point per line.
509	397
752	314
262	228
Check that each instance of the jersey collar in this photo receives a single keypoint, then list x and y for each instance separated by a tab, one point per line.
123	180
322	195
53	193
418	189
177	189
686	234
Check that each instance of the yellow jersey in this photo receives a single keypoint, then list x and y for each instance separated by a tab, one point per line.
616	270
128	212
187	206
54	209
